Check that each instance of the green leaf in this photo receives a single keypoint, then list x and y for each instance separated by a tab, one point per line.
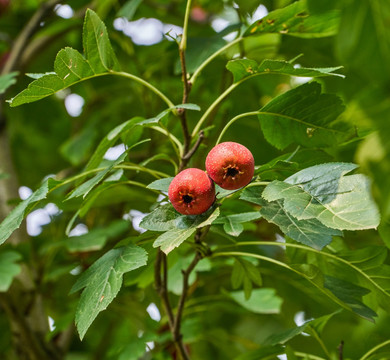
238	274
155	120
243	68
102	282
161	184
295	20
71	67
309	232
285	336
86	187
176	236
97	46
351	295
232	223
304	116
322	193
7	80
8	268
262	301
110	139
315	325
15	217
163	218
128	9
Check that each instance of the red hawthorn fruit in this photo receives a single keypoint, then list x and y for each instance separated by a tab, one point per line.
230	165
191	192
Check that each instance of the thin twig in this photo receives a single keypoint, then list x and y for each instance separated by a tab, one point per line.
161	285
340	349
186	92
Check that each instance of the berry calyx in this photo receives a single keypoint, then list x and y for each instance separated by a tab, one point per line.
230	165
191	192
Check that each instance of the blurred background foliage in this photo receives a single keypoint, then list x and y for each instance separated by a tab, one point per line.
47	138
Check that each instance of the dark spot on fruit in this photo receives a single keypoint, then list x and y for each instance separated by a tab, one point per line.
232	172
187	199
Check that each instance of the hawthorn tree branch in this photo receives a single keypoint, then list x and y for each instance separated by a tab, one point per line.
340	349
160	281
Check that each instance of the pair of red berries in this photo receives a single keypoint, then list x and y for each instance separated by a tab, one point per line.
229	164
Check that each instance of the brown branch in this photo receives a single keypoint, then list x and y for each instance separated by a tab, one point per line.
161	285
340	349
180	307
186	157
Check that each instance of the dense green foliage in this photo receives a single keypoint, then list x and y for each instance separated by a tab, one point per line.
294	264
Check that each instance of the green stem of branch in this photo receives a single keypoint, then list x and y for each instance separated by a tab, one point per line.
145	83
211	58
232	121
374	349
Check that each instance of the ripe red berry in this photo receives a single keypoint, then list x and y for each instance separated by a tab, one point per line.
230	165
191	192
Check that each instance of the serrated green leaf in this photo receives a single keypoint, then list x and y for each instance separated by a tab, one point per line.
15	217
71	67
295	20
8	268
102	282
179	233
232	224
243	68
304	116
321	192
96	44
351	295
163	218
309	232
7	80
262	301
161	184
173	238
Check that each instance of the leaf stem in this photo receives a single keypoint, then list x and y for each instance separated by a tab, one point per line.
183	42
307	248
370	352
145	83
211	58
282	264
232	121
213	106
179	147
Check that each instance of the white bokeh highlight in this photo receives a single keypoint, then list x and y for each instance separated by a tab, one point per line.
135	217
114	152
146	31
78	230
40	217
64	11
24	192
74	104
153	312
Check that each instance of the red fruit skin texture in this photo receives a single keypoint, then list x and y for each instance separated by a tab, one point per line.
230	165
191	192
